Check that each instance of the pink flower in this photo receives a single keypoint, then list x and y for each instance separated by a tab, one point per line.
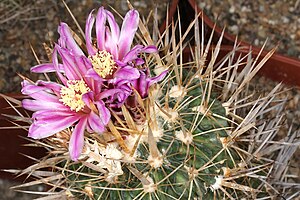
89	83
112	45
74	104
112	59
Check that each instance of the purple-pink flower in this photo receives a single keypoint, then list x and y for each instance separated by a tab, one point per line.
75	103
91	80
111	57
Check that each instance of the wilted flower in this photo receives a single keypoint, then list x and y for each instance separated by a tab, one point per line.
143	83
76	103
108	159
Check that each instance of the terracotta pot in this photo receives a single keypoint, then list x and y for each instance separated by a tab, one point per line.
12	147
278	68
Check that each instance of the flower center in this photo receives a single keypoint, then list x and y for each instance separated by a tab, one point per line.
103	63
72	94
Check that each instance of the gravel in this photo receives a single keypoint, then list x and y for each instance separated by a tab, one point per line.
255	21
8	194
26	22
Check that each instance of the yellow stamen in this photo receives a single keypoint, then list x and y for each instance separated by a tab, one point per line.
72	94
103	63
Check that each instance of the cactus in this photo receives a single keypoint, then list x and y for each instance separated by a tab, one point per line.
197	134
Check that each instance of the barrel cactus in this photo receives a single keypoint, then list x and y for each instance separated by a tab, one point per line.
151	121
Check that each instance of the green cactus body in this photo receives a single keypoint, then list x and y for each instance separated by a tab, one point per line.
188	158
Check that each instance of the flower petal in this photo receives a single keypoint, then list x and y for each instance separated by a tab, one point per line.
122	97
114	27
50	85
144	82
103	112
42	128
132	54
109	93
120	63
157	78
83	64
77	139
46	67
66	39
111	45
127	72
87	98
35	105
91	73
70	68
38	92
136	50
129	27
52	115
96	123
88	34
150	49
100	28
139	61
56	65
141	85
